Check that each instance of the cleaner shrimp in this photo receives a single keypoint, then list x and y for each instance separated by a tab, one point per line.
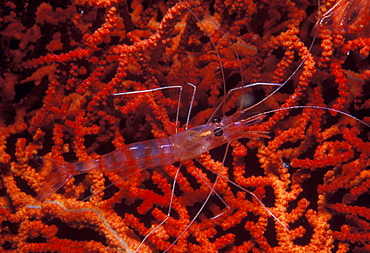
218	187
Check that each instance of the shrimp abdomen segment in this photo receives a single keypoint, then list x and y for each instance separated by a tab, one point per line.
141	155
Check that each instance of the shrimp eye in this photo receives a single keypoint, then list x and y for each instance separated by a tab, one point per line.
218	132
216	119
39	160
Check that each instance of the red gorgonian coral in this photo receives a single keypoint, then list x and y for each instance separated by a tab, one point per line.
64	60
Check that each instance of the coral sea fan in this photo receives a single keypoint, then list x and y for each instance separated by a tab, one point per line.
64	60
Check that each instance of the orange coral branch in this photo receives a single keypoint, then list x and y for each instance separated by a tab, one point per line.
63	61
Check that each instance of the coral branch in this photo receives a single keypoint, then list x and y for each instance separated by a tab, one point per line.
62	61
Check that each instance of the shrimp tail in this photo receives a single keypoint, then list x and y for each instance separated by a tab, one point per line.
56	173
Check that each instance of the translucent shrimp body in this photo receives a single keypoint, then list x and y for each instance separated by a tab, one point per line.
344	17
151	153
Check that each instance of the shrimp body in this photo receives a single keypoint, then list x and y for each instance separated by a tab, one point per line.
344	17
151	153
143	155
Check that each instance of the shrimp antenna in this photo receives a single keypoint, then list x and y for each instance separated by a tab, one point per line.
214	46
310	107
241	70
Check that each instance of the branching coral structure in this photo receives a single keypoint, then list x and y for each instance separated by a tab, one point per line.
301	184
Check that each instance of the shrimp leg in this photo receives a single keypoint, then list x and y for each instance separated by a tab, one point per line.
194	88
